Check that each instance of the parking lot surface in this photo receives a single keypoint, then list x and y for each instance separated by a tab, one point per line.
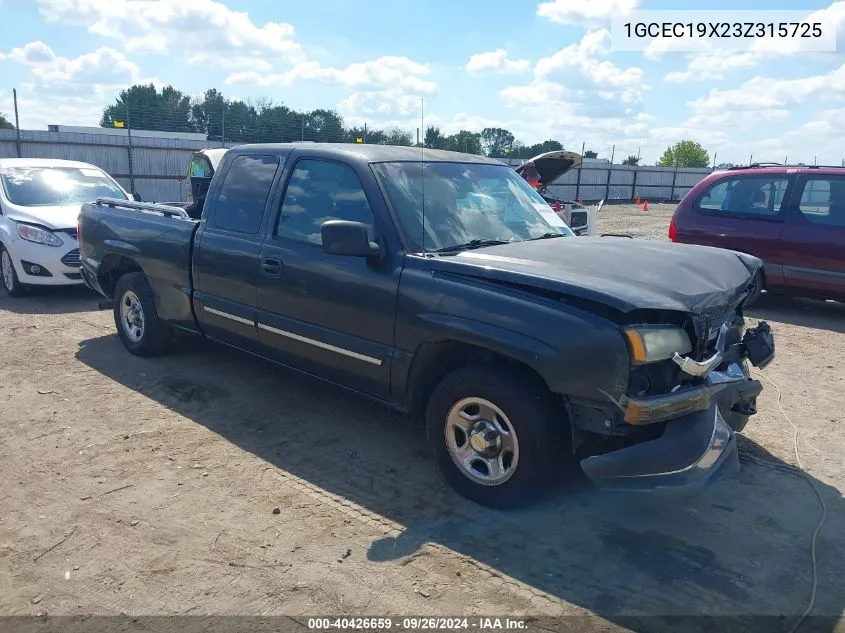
209	482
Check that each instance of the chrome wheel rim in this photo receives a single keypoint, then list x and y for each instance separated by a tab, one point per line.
481	441
132	316
8	272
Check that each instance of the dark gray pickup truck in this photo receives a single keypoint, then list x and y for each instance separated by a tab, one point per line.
444	285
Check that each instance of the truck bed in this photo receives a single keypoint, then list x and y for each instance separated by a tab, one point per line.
156	238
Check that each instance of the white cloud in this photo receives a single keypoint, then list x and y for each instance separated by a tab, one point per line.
384	72
583	56
537	93
713	66
94	72
496	60
380	104
202	31
765	93
584	11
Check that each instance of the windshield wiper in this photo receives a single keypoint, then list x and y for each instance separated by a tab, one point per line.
547	236
469	245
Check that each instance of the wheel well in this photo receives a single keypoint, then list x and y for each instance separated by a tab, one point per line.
112	268
433	361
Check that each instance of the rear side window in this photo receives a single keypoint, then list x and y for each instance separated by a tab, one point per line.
823	201
745	195
318	191
244	193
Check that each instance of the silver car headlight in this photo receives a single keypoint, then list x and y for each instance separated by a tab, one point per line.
38	235
651	343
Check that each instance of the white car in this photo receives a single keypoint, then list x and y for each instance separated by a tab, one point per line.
40	201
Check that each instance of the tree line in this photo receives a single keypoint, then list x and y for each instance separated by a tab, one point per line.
144	107
263	121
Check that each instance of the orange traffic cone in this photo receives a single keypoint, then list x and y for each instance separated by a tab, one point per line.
645	207
638	201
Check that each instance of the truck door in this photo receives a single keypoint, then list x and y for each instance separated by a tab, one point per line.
813	241
329	315
228	246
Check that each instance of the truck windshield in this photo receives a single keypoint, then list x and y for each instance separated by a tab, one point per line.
445	205
57	186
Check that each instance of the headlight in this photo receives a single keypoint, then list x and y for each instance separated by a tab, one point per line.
650	343
39	236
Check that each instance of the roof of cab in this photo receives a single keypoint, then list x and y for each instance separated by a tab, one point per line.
376	153
44	162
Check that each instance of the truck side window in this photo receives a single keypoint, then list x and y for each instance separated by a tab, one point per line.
244	193
321	190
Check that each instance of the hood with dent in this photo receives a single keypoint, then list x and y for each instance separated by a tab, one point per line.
550	166
52	217
622	274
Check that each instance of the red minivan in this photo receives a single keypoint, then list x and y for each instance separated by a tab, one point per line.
793	218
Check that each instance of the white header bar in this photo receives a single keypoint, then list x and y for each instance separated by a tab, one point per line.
661	31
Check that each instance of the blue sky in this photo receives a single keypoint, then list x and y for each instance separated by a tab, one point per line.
542	69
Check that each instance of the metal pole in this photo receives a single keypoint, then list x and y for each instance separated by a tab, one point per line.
223	123
365	132
302	135
17	124
609	174
634	184
129	151
580	167
714	159
674	180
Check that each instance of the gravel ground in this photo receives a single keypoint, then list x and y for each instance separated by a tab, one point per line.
208	482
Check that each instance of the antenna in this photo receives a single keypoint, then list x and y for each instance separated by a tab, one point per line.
422	170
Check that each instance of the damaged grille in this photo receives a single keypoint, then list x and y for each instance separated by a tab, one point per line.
707	324
578	220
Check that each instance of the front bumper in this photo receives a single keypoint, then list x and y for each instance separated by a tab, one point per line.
697	445
694	451
40	265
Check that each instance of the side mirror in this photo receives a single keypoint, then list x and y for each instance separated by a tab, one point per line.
351	239
137	197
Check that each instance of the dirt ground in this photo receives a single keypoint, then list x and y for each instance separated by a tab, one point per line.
208	482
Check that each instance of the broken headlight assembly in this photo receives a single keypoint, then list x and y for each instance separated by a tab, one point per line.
653	343
759	345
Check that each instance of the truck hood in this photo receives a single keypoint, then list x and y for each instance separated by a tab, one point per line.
54	217
549	166
622	274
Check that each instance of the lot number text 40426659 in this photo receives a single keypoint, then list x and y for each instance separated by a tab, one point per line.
481	624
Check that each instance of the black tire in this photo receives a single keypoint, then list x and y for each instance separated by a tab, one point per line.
152	337
17	289
541	430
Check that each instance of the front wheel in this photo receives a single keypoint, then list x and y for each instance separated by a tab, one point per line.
13	286
136	317
496	437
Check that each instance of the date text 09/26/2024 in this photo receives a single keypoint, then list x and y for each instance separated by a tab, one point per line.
417	624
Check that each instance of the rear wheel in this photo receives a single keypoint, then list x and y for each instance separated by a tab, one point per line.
495	436
13	286
136	317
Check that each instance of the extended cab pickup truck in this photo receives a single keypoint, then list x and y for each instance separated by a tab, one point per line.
443	284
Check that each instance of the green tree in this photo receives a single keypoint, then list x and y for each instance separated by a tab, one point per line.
495	141
434	138
323	126
631	160
685	154
464	141
145	108
541	148
5	124
590	154
396	136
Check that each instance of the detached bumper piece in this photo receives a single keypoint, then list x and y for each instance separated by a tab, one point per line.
694	451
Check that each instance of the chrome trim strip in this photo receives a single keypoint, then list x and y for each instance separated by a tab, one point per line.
326	346
226	315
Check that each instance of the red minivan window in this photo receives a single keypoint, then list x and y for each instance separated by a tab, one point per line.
744	196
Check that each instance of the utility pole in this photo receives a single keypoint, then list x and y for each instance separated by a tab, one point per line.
17	123
129	151
223	123
365	131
